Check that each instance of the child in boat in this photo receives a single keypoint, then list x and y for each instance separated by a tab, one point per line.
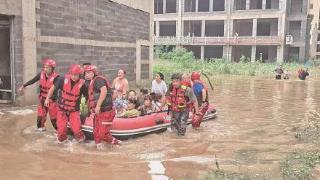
131	110
156	101
143	93
147	107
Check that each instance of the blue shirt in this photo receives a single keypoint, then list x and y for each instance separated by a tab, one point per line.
197	88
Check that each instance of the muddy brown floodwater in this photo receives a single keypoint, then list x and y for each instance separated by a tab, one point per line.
252	134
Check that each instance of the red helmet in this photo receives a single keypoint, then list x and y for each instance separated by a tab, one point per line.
91	68
75	69
195	75
49	62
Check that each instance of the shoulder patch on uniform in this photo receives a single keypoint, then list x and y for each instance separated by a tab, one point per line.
184	87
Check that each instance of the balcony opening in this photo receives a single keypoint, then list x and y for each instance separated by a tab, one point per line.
192	28
267	27
296	6
295	29
266	54
213	52
239	52
171	6
240	4
214	29
272	4
167	28
190	6
256	4
158	6
218	5
203	6
242	27
196	50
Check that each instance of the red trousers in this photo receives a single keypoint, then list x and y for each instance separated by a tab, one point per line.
43	111
74	121
197	119
102	126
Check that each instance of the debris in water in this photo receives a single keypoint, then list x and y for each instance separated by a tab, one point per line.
21	112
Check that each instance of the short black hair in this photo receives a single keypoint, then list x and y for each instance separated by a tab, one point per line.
177	76
144	91
86	64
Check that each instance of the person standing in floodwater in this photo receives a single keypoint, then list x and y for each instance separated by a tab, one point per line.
201	93
47	77
278	72
177	99
302	74
100	104
70	87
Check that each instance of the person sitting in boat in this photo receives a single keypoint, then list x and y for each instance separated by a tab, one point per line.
201	93
186	80
156	101
278	72
121	86
302	74
158	84
177	98
147	107
131	110
143	93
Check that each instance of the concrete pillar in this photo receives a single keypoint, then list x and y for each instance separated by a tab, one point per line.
157	28
254	27
280	54
164	6
253	53
302	54
29	47
203	28
197	5
179	31
247	4
264	4
211	6
303	29
226	28
202	53
227	53
229	6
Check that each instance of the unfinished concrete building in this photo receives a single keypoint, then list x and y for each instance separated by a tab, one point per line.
111	34
314	28
264	30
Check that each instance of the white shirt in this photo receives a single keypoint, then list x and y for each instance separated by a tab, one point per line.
159	88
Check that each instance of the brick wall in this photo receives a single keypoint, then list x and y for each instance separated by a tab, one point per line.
99	20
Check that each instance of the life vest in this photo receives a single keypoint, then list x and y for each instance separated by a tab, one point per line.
199	95
177	99
94	96
46	83
186	83
69	98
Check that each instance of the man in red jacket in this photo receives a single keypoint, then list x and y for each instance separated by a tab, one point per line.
71	88
47	77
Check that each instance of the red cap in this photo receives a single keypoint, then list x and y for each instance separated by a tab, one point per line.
195	75
91	68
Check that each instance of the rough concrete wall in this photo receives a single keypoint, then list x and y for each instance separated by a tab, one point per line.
10	7
99	21
18	53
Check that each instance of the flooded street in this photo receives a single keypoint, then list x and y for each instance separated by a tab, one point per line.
254	131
